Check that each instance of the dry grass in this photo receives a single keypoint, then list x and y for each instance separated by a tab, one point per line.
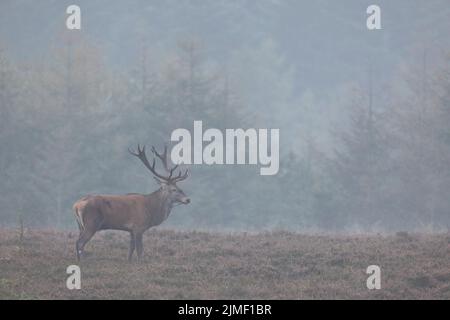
198	265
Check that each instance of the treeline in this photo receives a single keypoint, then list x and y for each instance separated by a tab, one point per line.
66	123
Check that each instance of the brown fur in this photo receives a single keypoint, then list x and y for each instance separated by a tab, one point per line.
134	213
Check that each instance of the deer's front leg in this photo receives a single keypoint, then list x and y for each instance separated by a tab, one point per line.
132	245
139	245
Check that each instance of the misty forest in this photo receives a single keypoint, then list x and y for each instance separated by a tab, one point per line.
363	115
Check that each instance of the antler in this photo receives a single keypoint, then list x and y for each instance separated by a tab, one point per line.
180	177
163	157
143	157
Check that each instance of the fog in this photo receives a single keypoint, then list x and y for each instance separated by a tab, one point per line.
362	114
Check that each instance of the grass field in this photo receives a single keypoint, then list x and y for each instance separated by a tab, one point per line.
200	265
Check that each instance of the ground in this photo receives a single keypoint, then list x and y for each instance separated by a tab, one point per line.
201	265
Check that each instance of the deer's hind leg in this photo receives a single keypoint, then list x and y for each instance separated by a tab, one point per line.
84	237
91	225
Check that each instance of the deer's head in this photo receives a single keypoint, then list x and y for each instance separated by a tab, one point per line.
167	182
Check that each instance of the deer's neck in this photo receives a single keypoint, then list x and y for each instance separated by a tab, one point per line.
159	206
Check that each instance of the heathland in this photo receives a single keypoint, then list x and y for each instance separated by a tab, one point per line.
203	265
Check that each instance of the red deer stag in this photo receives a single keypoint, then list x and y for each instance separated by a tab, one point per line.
134	213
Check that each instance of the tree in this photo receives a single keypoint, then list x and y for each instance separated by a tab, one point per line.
418	129
360	166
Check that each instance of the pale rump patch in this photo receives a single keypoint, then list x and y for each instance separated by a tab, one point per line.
78	208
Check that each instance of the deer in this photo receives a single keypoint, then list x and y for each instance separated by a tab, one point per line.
133	212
